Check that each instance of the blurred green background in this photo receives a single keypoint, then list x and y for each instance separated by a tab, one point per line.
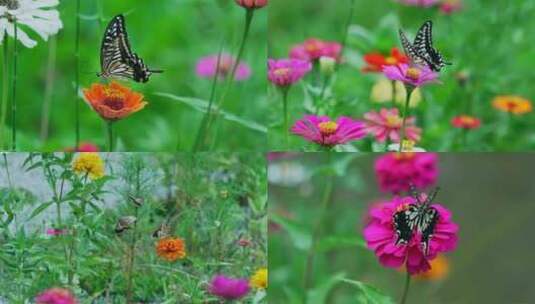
489	40
490	195
167	34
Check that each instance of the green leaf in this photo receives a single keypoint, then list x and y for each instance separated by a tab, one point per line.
301	238
369	294
202	106
319	294
40	209
339	241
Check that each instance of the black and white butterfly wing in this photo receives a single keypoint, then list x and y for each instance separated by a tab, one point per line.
410	50
115	53
404	223
426	226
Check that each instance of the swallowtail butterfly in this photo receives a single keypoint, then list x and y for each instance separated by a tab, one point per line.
163	231
421	51
116	57
417	217
124	223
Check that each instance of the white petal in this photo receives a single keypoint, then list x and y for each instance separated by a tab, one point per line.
21	35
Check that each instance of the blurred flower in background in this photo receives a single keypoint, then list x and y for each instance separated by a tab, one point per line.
113	102
381	236
512	104
252	4
207	67
171	249
386	125
424	3
55	231
395	172
56	296
328	133
450	6
90	164
376	61
39	16
285	72
313	49
84	147
382	92
229	288
259	279
440	269
465	122
407	146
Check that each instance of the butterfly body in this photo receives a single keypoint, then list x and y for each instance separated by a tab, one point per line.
418	217
422	51
116	57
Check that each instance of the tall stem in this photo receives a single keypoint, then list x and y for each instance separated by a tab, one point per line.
309	266
5	91
49	88
133	240
77	77
406	289
410	89
14	93
346	32
110	136
285	115
393	92
230	79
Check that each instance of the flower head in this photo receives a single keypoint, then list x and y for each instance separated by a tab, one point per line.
84	147
326	132
395	172
440	268
386	124
171	249
377	61
381	237
37	15
450	6
423	3
512	104
285	72
90	164
465	122
56	296
229	288
415	76
55	231
313	49
113	102
252	4
207	67
260	279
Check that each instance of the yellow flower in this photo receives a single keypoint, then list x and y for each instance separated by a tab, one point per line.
260	279
89	163
382	92
440	268
512	104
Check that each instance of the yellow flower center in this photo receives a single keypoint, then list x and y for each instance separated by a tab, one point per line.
393	121
390	61
407	145
328	127
113	93
414	73
282	72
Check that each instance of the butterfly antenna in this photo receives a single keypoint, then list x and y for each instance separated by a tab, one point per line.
431	196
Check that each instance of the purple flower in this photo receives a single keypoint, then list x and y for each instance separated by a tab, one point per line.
207	67
415	76
323	131
56	296
229	288
285	72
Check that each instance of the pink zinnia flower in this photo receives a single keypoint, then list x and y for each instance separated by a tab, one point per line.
323	131
386	124
56	296
229	288
451	6
54	231
285	72
207	67
252	4
381	237
313	49
415	76
395	172
423	3
465	122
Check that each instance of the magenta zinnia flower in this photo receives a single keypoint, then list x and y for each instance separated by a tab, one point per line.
323	131
56	296
381	237
415	76
423	3
313	49
451	6
395	172
229	288
386	124
207	67
55	231
285	72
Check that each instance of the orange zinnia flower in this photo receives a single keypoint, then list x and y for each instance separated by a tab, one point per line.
171	249
113	102
440	268
465	122
512	104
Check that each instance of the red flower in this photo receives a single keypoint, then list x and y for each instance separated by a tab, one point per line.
465	122
376	61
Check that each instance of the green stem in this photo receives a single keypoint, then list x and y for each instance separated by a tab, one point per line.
393	93
49	88
285	116
406	289
77	77
346	32
309	266
410	89
202	129
110	136
230	79
322	93
133	240
5	89
7	171
14	94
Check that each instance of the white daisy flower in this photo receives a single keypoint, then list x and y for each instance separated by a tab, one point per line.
39	16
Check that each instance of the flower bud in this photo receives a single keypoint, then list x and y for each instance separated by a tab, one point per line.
252	4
